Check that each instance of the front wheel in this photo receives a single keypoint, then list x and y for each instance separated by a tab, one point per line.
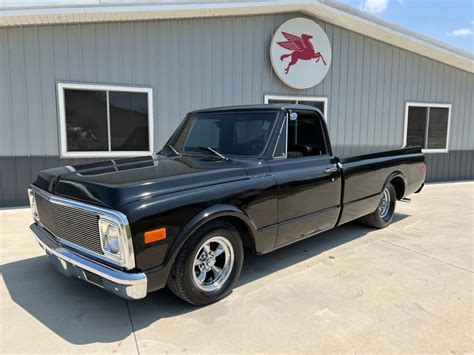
383	215
209	264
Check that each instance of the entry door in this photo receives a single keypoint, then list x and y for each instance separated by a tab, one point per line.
309	197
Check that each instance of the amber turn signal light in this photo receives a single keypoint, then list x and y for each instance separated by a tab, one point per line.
155	235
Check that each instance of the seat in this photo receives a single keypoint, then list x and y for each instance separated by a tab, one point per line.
294	154
303	149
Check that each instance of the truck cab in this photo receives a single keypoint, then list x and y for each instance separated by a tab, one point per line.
258	176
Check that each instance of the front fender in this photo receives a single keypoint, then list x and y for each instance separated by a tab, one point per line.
250	201
203	218
158	275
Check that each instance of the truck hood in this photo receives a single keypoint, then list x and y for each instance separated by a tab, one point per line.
115	183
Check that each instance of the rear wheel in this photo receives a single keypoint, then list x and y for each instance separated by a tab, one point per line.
209	264
383	215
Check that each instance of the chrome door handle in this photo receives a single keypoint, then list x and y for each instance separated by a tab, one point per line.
331	170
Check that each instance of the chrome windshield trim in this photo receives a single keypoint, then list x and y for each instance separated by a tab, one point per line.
127	254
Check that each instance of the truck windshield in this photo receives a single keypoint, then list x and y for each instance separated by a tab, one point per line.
230	134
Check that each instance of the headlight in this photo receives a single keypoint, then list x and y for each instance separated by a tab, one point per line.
116	241
34	208
110	237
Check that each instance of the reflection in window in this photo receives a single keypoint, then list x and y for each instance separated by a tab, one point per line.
438	128
239	134
106	121
427	126
204	133
86	120
417	123
128	121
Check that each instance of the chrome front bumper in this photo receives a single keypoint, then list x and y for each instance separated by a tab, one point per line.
124	284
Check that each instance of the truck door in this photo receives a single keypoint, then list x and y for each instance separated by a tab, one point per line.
307	176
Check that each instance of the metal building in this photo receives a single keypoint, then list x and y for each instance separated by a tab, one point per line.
148	64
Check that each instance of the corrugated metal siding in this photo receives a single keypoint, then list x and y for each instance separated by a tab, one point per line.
457	165
17	173
195	63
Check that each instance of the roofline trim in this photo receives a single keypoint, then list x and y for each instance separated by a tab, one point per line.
331	11
393	27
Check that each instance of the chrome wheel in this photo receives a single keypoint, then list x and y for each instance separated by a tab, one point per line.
384	205
213	264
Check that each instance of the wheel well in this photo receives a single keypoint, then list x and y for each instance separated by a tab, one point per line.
399	185
244	230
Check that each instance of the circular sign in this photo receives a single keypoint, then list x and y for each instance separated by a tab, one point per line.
300	53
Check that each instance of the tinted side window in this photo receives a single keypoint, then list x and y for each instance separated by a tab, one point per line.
438	128
128	121
417	120
105	120
305	136
427	127
86	120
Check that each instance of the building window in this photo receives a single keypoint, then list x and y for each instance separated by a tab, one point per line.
318	102
427	125
102	121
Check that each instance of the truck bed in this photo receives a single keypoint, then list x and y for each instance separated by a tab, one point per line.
366	171
349	154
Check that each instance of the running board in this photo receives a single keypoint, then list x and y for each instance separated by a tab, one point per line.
406	200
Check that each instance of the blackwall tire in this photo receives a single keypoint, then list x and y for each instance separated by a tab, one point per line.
383	215
209	264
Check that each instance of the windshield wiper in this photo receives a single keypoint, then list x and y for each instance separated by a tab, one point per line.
175	151
215	152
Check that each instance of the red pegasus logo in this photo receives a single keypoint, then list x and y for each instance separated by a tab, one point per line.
302	49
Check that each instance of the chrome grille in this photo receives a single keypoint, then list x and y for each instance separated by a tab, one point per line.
70	224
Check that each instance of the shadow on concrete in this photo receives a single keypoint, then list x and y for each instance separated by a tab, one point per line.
82	314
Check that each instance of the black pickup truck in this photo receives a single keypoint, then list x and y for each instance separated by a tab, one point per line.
260	176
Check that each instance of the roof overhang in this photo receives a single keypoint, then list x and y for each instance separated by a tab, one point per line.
39	12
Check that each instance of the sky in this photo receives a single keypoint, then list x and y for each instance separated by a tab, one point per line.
449	21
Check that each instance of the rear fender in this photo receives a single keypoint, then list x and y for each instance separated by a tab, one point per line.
396	174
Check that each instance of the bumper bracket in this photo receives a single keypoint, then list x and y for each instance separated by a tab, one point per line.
124	284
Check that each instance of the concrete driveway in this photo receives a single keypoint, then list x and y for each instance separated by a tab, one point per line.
407	288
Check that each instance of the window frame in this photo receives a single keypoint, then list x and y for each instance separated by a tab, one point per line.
64	153
297	98
428	105
285	124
